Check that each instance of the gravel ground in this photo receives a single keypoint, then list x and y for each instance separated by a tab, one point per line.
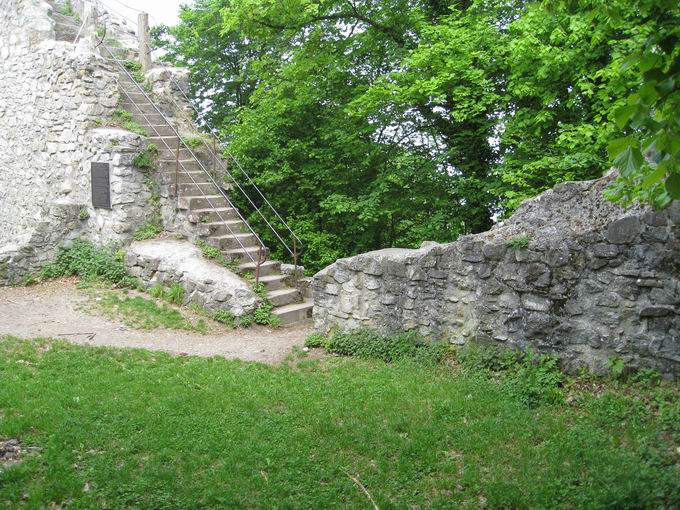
58	309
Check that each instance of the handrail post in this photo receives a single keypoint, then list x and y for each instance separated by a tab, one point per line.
143	36
177	174
295	259
214	158
257	266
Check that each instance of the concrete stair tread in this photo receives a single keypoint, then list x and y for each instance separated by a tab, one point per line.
250	266
240	235
236	251
294	313
272	278
282	292
211	209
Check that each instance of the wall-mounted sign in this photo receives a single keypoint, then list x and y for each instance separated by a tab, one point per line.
101	188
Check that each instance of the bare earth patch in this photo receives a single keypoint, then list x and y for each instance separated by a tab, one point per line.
57	309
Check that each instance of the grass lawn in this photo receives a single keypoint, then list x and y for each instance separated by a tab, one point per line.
136	429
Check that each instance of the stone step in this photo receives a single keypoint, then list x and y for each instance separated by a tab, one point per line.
196	189
294	313
273	281
244	255
211	215
203	202
171	153
270	267
169	172
148	119
220	228
189	166
284	296
233	241
132	105
160	129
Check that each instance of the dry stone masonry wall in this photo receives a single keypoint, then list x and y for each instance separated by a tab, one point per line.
594	282
168	262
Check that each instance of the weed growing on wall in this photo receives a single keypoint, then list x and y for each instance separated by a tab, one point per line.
123	119
146	158
519	242
135	69
89	262
148	231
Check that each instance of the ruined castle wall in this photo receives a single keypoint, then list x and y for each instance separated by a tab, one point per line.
595	281
52	94
49	96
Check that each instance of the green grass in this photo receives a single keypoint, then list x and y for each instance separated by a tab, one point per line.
136	429
148	231
141	313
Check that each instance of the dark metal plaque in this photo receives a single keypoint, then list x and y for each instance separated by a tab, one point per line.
101	190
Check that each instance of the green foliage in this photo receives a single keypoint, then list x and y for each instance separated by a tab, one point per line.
67	9
225	317
84	214
616	366
194	142
213	253
380	124
648	155
173	294
148	231
89	262
146	158
135	69
519	242
123	119
371	345
315	340
537	380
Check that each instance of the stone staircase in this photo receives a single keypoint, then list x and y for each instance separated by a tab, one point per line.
216	221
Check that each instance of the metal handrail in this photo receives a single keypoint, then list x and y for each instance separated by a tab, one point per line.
180	141
298	246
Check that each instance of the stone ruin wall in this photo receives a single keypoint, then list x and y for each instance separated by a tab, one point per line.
596	281
52	93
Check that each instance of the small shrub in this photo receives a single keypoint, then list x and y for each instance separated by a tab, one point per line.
519	242
315	340
85	260
135	69
245	321
146	158
123	119
157	291
537	380
616	367
67	9
84	214
30	279
369	344
194	142
225	317
175	294
474	357
264	316
147	231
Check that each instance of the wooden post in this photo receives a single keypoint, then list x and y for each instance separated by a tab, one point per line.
144	38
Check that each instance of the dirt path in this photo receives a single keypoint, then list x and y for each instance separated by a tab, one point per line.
56	310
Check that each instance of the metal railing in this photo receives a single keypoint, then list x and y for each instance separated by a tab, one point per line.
297	246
